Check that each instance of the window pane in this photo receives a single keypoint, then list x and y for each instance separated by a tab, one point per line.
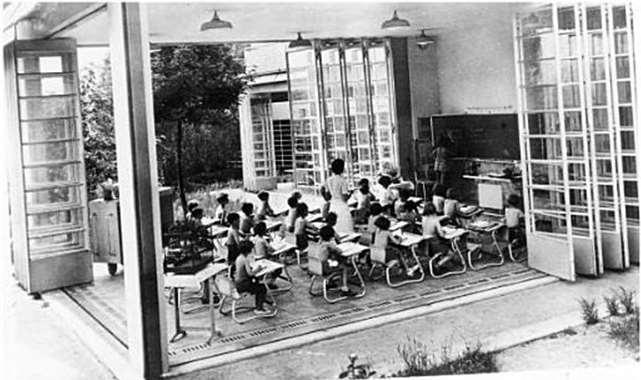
43	108
571	96
550	224
43	153
546	174
576	172
569	70
600	119
623	67
52	196
566	18
61	241
55	219
573	121
621	43
629	165
539	72
602	143
48	130
599	94
567	45
575	147
627	140
630	190
594	18
632	214
625	116
543	123
545	148
625	92
619	17
541	98
548	200
595	44
44	86
539	47
604	168
597	69
44	64
537	22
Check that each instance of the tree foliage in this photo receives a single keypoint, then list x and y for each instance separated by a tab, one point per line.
96	105
196	94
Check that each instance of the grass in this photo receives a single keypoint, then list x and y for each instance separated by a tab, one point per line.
625	329
627	299
589	311
420	362
612	304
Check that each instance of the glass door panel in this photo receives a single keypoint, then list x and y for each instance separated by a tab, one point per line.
381	106
261	137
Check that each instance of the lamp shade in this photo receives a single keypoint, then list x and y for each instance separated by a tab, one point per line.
300	42
216	23
424	40
395	22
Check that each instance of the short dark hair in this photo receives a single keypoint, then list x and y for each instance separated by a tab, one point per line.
327	233
338	166
438	189
260	229
383	223
222	198
450	193
514	200
404	193
197	212
302	209
263	196
385	181
247	208
233	217
192	204
292	201
331	218
245	247
429	209
375	208
363	182
297	195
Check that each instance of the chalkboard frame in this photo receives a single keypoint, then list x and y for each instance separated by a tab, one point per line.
440	122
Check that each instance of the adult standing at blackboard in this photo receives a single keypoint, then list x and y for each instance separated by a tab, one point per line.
443	151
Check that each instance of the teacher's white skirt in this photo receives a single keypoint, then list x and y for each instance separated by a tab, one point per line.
345	223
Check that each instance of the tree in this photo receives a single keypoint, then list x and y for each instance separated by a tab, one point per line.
96	104
194	86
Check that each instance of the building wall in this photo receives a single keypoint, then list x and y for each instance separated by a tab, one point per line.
476	65
424	85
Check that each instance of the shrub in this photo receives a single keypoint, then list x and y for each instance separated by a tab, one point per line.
419	362
589	311
626	329
627	299
612	305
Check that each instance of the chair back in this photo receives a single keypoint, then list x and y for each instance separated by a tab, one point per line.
377	254
315	263
226	287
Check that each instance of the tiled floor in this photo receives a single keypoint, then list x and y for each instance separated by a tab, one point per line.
299	313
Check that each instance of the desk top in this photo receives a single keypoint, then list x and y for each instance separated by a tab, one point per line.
349	249
313	218
399	224
345	237
268	266
273	224
409	239
485	225
193	280
281	246
452	232
218	231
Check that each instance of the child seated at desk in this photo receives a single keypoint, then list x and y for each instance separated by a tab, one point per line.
375	211
513	219
300	227
233	238
405	209
292	202
388	197
222	210
263	250
382	238
244	276
330	256
246	219
452	207
332	219
433	231
191	206
438	197
364	199
264	210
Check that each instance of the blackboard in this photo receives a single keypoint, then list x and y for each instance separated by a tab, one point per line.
480	136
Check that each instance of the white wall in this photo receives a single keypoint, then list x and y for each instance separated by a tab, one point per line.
476	63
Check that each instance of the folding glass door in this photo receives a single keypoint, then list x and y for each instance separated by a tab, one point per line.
309	160
263	146
47	192
624	99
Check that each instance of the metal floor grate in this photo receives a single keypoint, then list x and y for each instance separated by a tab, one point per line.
431	296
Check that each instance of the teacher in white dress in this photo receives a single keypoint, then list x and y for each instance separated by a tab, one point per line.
338	188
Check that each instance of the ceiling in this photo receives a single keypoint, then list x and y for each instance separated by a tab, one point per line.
263	22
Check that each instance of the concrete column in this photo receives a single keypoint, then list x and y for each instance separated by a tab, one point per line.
137	175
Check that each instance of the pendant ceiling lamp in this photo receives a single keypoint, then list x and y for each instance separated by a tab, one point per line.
395	23
300	42
216	23
423	41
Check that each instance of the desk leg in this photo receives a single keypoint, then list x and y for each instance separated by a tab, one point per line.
180	333
360	277
212	312
271	296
